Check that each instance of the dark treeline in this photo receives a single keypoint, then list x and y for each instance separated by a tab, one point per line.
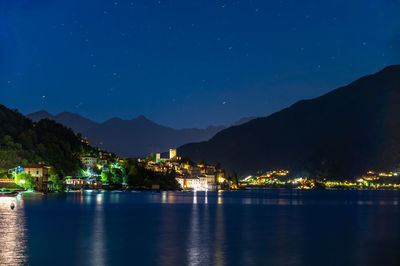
23	142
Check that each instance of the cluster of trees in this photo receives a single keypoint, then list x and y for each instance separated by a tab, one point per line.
138	176
23	142
134	174
114	176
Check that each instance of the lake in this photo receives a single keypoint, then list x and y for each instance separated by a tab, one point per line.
257	227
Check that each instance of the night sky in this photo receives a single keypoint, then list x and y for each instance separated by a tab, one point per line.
187	63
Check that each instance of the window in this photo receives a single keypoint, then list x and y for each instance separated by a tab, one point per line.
37	172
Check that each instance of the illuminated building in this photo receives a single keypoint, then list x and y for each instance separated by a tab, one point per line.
172	153
41	173
198	183
75	183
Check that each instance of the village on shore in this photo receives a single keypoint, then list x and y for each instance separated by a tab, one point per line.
105	171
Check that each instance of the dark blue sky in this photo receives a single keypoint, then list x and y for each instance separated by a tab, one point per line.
187	63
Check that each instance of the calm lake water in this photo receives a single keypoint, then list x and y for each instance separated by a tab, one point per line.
259	227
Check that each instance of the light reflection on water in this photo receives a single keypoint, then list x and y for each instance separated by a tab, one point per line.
198	248
13	239
277	227
219	235
98	249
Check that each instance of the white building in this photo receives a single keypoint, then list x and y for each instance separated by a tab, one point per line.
198	183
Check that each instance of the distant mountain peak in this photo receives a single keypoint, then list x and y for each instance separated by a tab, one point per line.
39	115
42	112
141	117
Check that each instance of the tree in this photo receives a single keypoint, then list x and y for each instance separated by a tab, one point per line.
138	176
106	177
235	180
117	175
152	157
186	159
57	183
25	180
202	162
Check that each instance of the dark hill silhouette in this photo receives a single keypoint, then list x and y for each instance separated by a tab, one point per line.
340	134
243	120
23	142
130	138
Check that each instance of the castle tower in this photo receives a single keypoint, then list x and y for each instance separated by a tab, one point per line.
172	153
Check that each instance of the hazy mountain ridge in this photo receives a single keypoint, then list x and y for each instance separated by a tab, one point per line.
342	133
130	138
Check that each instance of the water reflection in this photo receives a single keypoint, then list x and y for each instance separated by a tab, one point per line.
98	238
12	232
169	243
164	197
202	228
220	201
198	248
219	235
195	197
194	253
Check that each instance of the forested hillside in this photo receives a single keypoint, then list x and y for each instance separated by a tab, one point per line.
23	142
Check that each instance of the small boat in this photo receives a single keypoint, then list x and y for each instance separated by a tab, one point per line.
12	206
8	194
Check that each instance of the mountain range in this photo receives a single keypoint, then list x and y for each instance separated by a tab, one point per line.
341	134
137	137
